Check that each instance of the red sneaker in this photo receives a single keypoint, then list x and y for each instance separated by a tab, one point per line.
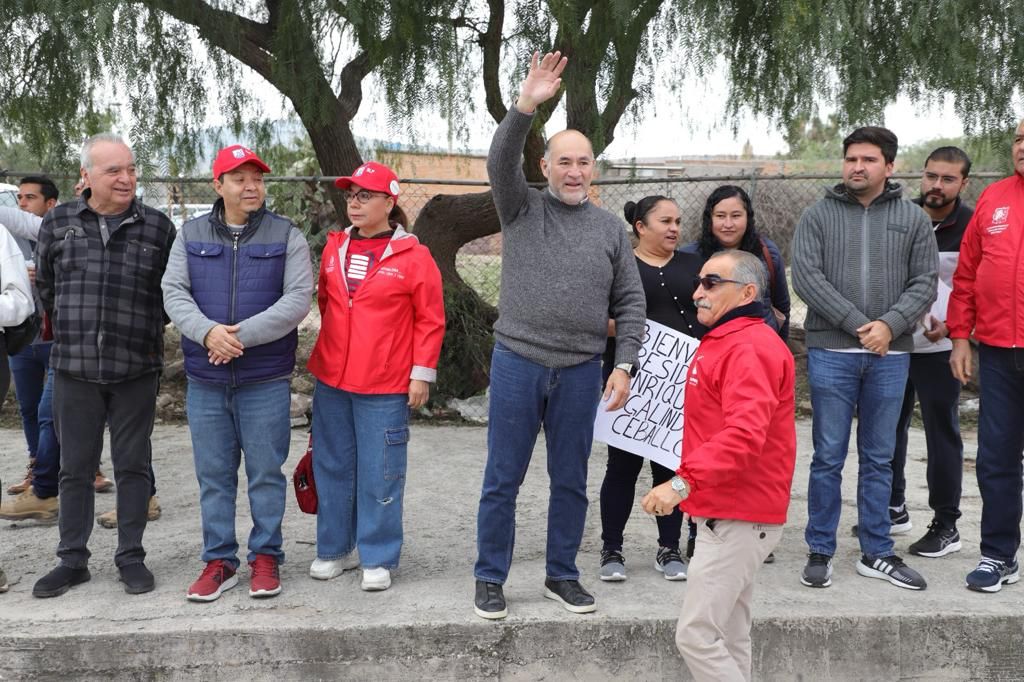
218	576
264	580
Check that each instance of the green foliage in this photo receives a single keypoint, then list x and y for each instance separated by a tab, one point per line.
784	58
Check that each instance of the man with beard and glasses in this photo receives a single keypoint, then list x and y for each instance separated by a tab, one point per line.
937	390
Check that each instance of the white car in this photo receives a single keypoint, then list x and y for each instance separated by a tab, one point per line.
8	195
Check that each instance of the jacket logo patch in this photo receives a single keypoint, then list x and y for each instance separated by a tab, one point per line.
391	272
1000	220
330	265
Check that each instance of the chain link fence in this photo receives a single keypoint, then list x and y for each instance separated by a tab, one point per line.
778	201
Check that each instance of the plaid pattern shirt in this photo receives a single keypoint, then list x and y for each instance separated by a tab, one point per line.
102	291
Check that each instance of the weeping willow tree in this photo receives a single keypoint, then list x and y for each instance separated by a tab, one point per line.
171	60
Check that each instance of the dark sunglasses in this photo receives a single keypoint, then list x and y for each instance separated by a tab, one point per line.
711	281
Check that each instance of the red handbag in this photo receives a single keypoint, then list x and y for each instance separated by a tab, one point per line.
305	486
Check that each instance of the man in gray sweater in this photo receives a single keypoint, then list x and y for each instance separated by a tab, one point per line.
866	265
567	267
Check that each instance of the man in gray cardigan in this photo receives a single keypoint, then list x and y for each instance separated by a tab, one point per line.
567	267
866	265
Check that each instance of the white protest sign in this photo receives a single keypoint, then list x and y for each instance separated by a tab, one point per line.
650	424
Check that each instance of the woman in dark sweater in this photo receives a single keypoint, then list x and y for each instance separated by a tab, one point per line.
667	275
728	223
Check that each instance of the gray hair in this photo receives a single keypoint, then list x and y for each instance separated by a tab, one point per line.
747	268
100	137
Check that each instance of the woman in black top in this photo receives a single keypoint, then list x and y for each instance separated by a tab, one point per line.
667	276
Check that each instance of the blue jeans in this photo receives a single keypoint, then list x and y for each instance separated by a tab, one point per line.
29	369
873	386
524	397
1000	444
360	450
225	422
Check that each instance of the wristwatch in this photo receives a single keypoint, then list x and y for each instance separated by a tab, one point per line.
681	487
627	367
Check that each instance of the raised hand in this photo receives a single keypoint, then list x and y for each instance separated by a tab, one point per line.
542	81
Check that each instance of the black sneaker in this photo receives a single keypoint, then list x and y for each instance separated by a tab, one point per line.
490	601
990	575
60	580
893	569
571	595
613	566
818	570
899	522
137	578
939	541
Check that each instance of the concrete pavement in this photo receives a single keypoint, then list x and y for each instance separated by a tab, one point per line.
424	626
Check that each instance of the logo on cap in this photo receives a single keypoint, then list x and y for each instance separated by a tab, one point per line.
239	153
394	187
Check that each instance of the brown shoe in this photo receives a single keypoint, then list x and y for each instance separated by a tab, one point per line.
102	484
109	519
28	506
19	488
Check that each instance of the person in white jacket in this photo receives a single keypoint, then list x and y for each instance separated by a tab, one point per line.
15	306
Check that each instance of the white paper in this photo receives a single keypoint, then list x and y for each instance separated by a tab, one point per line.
650	424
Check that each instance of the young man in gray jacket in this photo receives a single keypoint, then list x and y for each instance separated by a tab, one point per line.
237	285
866	265
567	266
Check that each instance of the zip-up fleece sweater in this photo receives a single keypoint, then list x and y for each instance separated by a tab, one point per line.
854	264
261	280
564	269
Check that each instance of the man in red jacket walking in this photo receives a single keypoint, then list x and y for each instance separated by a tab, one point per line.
739	451
988	300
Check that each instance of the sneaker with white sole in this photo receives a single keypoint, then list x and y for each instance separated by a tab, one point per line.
669	562
376	579
818	570
940	540
990	575
893	569
570	594
613	566
325	569
216	578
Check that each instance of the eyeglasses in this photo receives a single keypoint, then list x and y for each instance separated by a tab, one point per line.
362	196
711	281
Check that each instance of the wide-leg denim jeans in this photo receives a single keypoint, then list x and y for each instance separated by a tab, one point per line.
360	451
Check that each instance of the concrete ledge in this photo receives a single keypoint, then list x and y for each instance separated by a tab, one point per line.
900	648
424	627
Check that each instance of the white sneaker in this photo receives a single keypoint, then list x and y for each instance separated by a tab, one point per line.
324	569
376	579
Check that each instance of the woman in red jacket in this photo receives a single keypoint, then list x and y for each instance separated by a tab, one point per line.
382	322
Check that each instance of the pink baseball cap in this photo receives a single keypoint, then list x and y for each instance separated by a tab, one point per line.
230	158
373	176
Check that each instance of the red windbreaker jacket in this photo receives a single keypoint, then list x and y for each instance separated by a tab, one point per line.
391	330
988	285
739	434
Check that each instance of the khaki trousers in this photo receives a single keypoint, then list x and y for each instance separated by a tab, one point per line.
713	633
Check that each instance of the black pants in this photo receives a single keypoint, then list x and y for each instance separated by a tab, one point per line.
618	493
939	393
80	410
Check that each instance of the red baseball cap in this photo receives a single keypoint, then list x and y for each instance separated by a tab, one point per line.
230	158
373	176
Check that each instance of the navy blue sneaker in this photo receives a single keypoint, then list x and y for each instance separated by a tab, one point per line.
990	575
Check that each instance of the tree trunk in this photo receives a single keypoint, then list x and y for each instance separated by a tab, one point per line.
445	225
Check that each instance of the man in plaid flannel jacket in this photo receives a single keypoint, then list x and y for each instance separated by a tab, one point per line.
100	261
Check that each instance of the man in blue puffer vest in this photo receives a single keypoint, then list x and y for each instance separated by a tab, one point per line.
237	284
